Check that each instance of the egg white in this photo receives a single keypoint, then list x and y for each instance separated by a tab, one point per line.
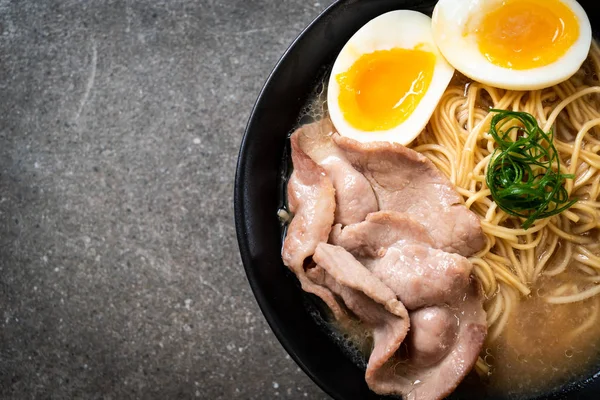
396	29
449	20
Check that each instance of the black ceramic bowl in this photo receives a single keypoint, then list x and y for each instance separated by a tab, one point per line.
258	193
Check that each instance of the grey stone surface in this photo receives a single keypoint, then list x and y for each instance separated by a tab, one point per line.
120	123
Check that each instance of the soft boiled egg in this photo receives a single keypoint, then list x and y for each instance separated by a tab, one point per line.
513	44
388	79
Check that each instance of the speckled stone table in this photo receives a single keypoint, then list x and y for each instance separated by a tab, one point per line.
120	123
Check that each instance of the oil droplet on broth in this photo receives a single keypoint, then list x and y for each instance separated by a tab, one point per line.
541	347
569	353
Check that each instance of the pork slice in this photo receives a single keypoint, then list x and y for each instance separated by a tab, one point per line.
443	342
435	364
353	193
379	231
389	330
434	332
369	299
422	276
406	181
311	200
398	251
346	270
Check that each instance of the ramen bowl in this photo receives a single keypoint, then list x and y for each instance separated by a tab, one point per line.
259	185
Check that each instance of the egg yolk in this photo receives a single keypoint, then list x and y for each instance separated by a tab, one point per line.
381	89
526	34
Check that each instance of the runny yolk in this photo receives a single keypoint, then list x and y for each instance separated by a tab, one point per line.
526	34
382	89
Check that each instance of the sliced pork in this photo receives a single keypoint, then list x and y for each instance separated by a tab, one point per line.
398	251
442	344
398	235
406	181
434	332
435	363
369	300
379	231
346	270
311	199
353	193
422	276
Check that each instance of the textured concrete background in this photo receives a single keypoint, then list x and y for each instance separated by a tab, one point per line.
120	123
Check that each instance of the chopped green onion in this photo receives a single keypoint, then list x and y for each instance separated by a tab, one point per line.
521	174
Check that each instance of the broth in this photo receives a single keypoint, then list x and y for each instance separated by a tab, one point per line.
544	345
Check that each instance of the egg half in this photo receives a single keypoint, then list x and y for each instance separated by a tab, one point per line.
513	44
388	79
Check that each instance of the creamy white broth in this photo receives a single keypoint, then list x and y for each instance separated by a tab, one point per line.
544	345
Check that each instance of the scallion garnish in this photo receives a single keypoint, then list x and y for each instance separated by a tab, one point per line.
521	175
